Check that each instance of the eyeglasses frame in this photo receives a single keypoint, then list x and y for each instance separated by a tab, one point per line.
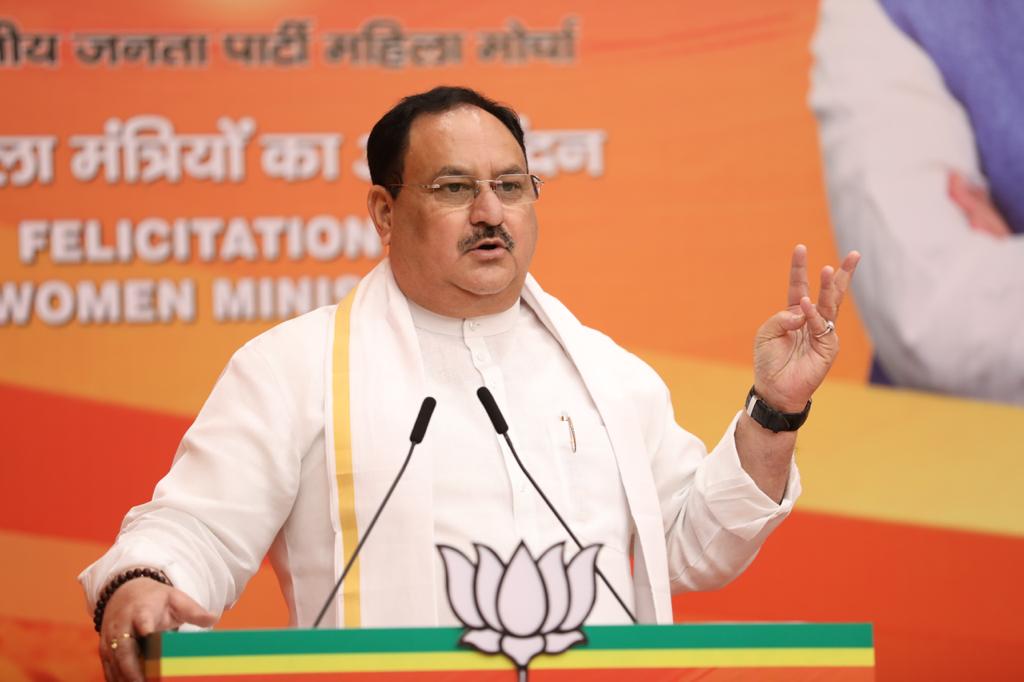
435	185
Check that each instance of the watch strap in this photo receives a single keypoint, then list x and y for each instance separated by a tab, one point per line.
770	418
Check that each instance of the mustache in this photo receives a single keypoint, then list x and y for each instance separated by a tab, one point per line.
483	233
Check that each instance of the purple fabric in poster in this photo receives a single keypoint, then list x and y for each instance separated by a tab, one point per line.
978	46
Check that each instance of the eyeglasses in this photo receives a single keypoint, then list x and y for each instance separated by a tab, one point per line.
512	189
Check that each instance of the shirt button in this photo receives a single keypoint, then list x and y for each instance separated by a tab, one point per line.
479	357
474	325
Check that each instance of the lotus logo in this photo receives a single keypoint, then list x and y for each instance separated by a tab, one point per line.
524	608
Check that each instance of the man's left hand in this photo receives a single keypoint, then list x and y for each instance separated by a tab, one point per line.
793	352
795	348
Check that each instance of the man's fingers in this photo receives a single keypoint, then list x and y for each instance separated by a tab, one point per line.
127	662
834	284
843	278
108	671
815	322
817	327
184	609
138	609
781	323
112	646
798	287
847	269
828	296
144	624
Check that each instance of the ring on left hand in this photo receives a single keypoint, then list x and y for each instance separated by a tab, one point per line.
124	635
830	327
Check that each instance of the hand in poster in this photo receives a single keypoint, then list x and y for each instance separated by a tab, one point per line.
975	202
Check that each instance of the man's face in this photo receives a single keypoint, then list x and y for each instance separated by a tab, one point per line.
457	261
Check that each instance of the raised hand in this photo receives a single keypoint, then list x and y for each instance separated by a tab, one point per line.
795	348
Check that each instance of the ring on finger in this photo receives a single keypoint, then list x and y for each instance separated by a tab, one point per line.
115	642
830	327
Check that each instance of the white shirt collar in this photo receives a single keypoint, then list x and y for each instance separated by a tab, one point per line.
485	325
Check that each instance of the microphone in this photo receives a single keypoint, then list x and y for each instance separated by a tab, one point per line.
415	438
498	421
422	419
491	407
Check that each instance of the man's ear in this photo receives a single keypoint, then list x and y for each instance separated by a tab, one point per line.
380	205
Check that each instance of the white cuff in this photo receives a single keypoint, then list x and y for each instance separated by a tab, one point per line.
731	495
137	553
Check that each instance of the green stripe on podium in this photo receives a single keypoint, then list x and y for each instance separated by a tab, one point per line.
423	640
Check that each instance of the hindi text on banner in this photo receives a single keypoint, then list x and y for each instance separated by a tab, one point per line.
300	156
26	159
34	48
146	149
287	46
150	49
382	42
517	45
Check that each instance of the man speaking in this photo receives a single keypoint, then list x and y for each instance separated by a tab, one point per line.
307	426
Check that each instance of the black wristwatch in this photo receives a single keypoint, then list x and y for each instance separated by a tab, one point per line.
770	418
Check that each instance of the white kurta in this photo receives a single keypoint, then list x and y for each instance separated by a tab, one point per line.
252	474
541	395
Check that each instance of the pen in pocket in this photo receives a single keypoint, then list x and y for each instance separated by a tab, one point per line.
572	431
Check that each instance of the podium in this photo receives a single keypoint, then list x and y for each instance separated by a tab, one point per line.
720	651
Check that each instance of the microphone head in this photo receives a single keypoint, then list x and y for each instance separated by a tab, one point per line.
420	427
497	420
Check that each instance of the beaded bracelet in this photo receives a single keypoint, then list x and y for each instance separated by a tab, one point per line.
121	579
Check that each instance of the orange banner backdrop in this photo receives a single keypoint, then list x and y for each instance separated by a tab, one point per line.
179	177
